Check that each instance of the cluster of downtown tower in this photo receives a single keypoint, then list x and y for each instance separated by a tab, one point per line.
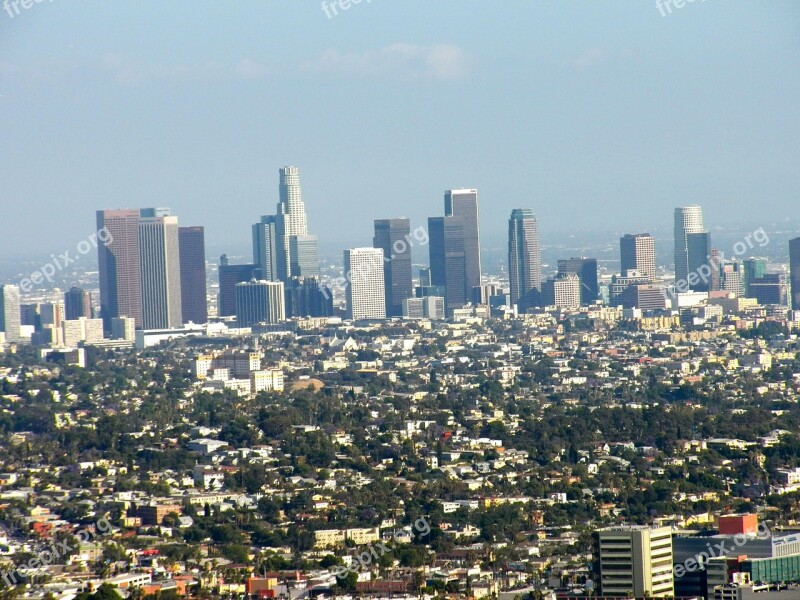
153	272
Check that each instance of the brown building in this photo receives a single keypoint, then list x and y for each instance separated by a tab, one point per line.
120	269
153	514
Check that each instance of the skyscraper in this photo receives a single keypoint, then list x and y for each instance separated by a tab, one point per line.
425	277
365	290
304	256
754	268
794	271
260	302
194	303
699	252
732	277
464	203
562	291
524	258
10	316
229	276
772	288
307	297
147	213
265	253
123	328
715	262
290	220
392	236
77	303
448	259
159	259
638	253
692	243
586	270
120	272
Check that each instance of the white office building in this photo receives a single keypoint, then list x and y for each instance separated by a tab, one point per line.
365	291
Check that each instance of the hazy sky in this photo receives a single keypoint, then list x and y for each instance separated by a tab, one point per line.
598	115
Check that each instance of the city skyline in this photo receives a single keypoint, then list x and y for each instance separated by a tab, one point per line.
372	300
633	151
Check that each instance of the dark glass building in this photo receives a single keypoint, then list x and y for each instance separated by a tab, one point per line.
392	236
464	203
229	276
77	304
524	259
193	274
586	270
448	259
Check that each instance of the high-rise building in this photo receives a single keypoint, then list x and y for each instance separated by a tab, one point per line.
82	330
717	258
644	296
620	283
425	277
290	220
772	288
794	271
365	291
51	313
118	260
637	252
123	328
633	561
732	275
149	213
77	303
754	268
524	259
159	259
562	291
194	300
429	307
304	256
10	316
483	294
448	259
392	236
586	270
265	248
229	276
307	297
429	290
464	203
692	244
260	302
29	315
699	253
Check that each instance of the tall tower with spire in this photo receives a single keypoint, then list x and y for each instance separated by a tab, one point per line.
291	222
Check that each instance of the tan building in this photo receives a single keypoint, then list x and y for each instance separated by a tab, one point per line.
327	538
363	535
241	364
634	561
82	330
266	381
